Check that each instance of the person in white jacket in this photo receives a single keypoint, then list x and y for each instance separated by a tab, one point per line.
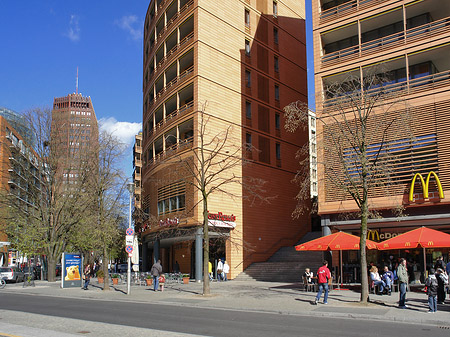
226	270
219	270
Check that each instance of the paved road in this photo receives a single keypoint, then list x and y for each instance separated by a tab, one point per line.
205	322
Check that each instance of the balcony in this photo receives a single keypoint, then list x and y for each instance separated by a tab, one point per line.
183	77
413	35
172	150
417	85
175	19
347	8
175	115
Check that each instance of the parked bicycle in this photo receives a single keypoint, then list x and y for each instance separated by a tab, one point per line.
28	280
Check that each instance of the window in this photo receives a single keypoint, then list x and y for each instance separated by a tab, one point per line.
276	64
247	47
313	122
248	78
248	141
275	35
277	121
248	110
277	92
275	9
278	151
247	18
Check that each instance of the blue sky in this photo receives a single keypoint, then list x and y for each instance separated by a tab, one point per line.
43	43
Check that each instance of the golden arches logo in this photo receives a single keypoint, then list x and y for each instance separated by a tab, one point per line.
356	245
373	235
337	246
425	185
430	243
407	244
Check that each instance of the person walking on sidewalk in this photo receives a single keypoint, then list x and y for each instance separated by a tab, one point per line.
432	290
402	274
323	275
156	271
226	270
87	276
442	279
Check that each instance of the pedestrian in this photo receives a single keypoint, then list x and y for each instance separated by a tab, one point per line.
447	268
219	270
442	279
156	271
402	274
439	263
226	270
388	278
87	276
176	268
323	275
432	290
210	271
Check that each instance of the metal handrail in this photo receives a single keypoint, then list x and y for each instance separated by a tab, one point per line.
411	35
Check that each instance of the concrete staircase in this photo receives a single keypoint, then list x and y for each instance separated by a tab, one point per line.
286	265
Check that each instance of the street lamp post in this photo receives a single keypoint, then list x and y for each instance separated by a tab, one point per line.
130	187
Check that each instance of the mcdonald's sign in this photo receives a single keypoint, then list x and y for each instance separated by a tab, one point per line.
373	235
425	185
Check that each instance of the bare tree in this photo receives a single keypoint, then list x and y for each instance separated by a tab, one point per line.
104	187
56	202
363	132
211	168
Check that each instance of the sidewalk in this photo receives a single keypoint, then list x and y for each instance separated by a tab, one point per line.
281	298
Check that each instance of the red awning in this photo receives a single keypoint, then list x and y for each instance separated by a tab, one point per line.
420	237
336	241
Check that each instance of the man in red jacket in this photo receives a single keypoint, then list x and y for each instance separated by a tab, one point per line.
323	274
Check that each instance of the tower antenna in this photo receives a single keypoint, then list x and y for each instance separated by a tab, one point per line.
77	82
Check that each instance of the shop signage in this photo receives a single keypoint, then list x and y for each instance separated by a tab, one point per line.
221	220
169	222
374	235
425	186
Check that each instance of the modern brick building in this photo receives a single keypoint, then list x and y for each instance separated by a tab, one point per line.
74	129
137	173
19	168
410	39
247	60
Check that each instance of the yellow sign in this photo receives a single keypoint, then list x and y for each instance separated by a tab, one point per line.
373	235
425	185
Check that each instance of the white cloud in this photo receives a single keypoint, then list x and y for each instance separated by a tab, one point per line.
131	24
74	29
124	131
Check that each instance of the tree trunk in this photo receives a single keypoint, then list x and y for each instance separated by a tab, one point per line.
51	277
206	288
105	269
362	246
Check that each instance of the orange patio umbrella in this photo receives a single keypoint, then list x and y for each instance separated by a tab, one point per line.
420	237
338	241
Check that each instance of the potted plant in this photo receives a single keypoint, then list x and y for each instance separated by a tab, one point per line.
185	278
100	276
115	278
149	280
